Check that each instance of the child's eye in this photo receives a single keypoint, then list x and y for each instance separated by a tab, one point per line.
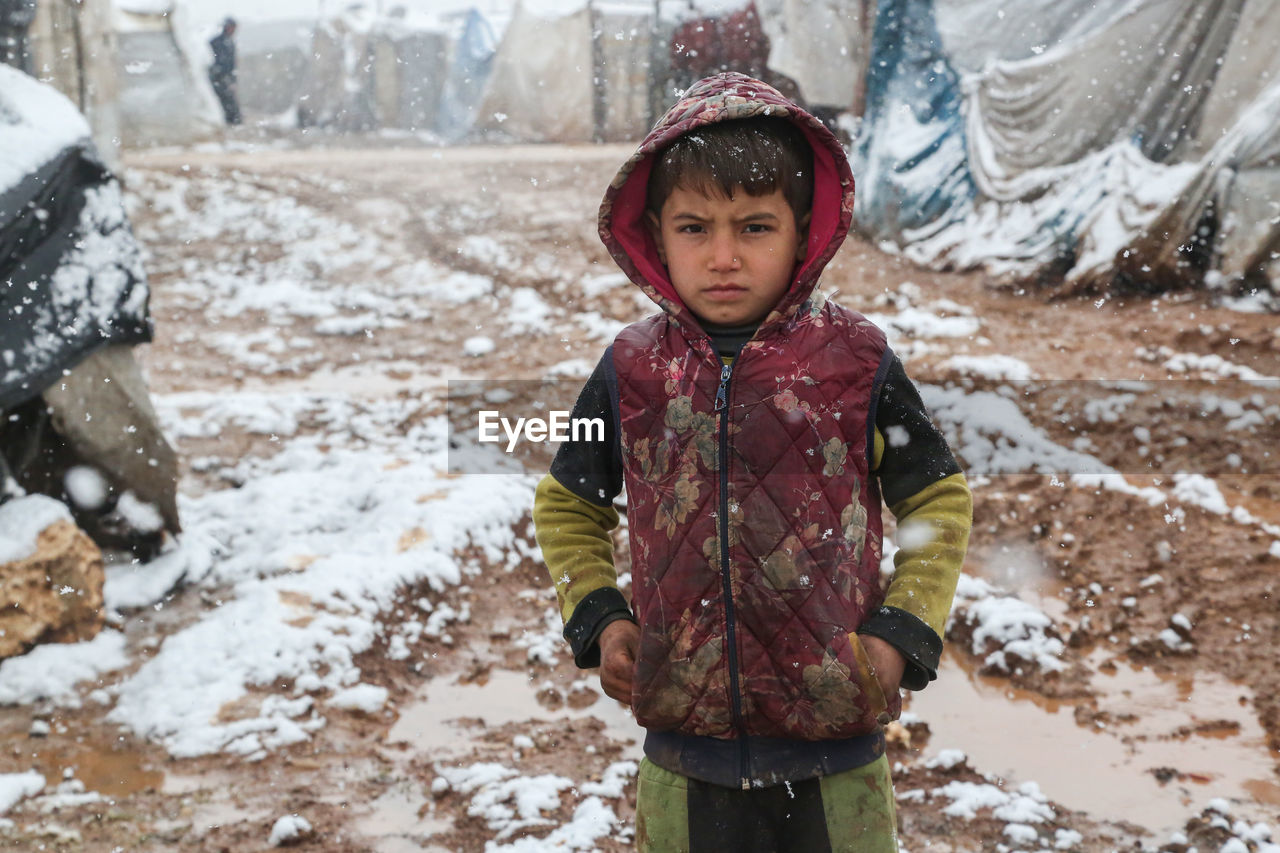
757	228
689	229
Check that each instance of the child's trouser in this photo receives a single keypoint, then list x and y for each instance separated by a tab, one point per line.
850	812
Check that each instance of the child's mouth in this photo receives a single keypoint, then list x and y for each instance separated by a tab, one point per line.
724	291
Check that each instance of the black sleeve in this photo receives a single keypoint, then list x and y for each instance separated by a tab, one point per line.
915	451
592	470
916	455
917	642
599	609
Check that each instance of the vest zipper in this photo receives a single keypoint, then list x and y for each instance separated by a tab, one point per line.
735	695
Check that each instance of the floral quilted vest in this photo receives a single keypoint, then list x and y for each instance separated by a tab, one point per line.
754	518
755	526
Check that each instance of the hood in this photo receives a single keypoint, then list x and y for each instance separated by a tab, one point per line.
726	97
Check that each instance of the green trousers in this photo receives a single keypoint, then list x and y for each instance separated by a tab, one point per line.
850	812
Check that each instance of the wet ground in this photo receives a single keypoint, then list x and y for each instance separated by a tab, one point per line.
1129	743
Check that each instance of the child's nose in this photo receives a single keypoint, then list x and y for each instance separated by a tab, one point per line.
724	254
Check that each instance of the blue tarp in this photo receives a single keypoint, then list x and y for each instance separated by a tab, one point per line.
1138	149
472	62
910	153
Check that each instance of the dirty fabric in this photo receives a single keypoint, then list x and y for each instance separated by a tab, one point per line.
850	811
1134	146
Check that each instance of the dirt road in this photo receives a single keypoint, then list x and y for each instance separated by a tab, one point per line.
377	276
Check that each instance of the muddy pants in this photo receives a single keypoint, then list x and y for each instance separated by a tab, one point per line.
850	812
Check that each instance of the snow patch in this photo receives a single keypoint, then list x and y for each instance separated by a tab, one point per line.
288	828
15	787
52	671
21	522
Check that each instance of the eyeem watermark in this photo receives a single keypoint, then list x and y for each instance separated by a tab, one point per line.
558	427
1161	428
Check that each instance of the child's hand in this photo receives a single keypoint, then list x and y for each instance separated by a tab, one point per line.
887	662
619	642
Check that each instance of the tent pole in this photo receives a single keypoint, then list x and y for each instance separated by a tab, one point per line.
597	74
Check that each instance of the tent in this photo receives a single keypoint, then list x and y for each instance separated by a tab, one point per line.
164	96
69	44
409	70
570	72
823	46
367	71
1132	145
73	301
273	63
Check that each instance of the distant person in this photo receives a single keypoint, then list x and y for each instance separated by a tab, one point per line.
755	425
222	73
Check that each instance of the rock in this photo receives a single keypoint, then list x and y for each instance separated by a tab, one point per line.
53	594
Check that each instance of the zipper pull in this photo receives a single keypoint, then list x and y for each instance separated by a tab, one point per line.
722	393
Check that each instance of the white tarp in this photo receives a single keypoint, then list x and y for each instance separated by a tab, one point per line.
541	88
822	45
1133	145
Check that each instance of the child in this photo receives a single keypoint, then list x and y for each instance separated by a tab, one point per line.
754	425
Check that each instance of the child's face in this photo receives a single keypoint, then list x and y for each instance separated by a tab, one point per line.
730	259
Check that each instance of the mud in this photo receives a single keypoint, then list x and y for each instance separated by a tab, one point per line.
1128	743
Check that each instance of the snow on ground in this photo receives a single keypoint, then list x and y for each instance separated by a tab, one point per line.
311	569
1196	364
1007	633
508	802
53	671
304	571
989	366
21	521
303	549
17	786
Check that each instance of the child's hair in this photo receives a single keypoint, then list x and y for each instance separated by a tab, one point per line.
758	154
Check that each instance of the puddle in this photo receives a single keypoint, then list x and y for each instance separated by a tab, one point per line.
110	772
395	820
437	724
1203	730
442	721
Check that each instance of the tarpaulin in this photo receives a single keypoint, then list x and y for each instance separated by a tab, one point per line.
1084	144
71	279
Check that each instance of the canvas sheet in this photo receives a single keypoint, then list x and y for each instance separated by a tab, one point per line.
1136	147
71	278
539	88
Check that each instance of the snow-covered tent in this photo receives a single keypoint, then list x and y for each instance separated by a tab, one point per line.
368	71
73	300
409	67
70	45
571	72
470	62
821	45
165	97
273	63
1130	145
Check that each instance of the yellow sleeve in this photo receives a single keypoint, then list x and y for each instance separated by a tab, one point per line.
574	535
933	534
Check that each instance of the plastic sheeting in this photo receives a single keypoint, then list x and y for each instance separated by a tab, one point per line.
1085	144
820	44
542	87
161	100
468	72
71	279
539	88
910	161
